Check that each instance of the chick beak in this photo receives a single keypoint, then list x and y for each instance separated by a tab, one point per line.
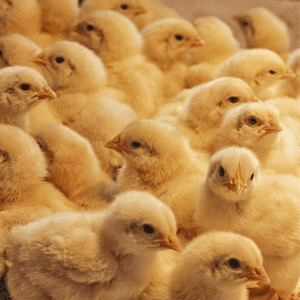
171	242
47	93
78	28
41	60
196	42
139	10
253	98
116	144
289	74
257	274
271	128
237	184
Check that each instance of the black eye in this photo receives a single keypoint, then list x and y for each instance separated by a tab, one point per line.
252	176
234	263
25	87
221	171
59	59
40	145
272	72
148	229
252	121
124	6
3	156
233	99
245	23
135	144
0	53
90	27
178	37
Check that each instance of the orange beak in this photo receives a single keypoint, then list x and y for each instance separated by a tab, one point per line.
237	184
196	42
40	59
171	242
271	128
289	74
139	10
78	28
47	93
257	274
116	144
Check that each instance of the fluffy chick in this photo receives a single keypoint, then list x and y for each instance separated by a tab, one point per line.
202	115
260	68
74	168
78	77
262	29
256	126
217	265
262	207
219	45
119	44
122	248
158	159
166	43
21	89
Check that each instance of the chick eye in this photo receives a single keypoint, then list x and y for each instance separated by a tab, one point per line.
135	145
178	37
252	176
25	87
3	156
148	229
41	146
221	171
272	72
245	23
124	6
59	59
233	263
90	27
252	121
233	99
0	53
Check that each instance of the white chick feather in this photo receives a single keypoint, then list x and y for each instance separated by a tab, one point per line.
78	77
21	89
158	159
219	45
74	168
120	253
262	29
217	266
260	68
166	43
116	40
262	207
257	126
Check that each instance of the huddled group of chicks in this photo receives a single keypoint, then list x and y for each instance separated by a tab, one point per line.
127	130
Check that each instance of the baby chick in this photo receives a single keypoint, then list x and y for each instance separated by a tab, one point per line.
21	89
262	207
74	168
260	68
219	45
167	41
119	45
203	113
119	257
158	159
256	126
262	29
217	265
78	77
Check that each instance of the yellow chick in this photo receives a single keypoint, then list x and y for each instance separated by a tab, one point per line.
158	159
202	115
21	89
219	45
120	252
217	266
74	168
78	77
236	197
257	126
260	68
263	29
116	40
166	43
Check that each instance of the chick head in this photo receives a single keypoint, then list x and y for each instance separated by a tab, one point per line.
260	68
169	39
110	35
72	67
151	145
22	88
212	100
218	260
233	173
140	222
22	163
